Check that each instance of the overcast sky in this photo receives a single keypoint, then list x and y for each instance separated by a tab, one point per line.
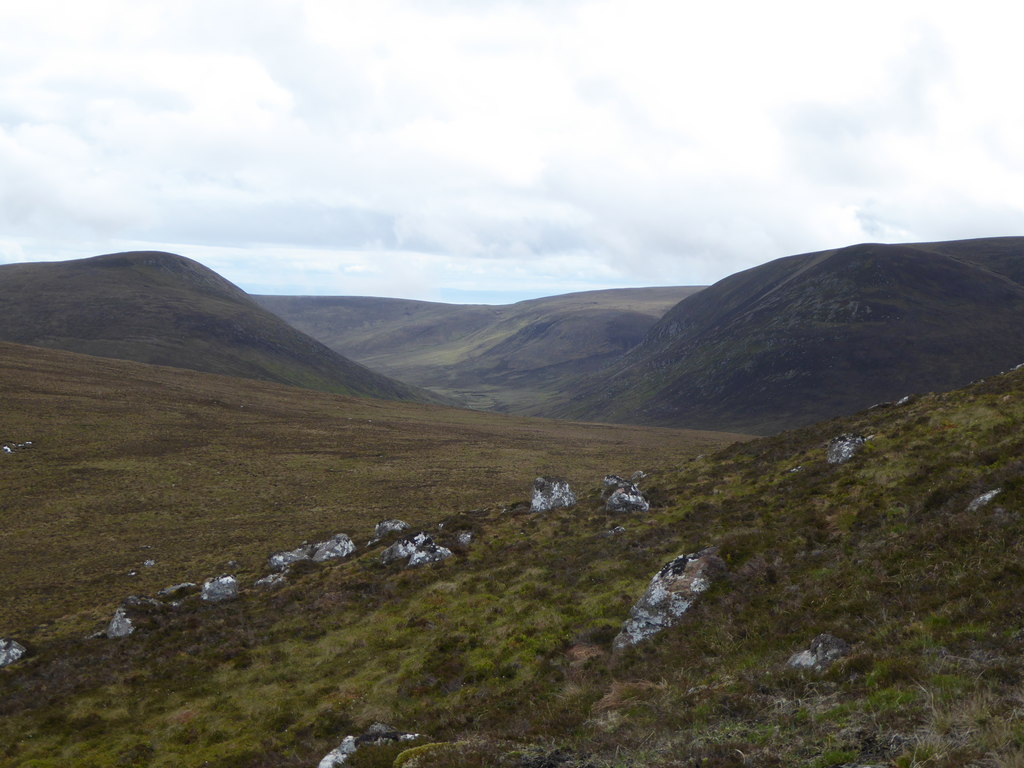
492	150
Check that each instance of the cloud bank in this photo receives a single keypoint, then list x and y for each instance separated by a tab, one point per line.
452	150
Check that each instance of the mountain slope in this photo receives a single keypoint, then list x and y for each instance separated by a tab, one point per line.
502	357
806	337
164	309
502	654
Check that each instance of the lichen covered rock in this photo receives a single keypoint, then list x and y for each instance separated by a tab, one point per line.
622	496
120	625
335	548
220	589
671	593
551	493
279	561
384	527
376	735
10	651
983	500
419	549
842	448
825	649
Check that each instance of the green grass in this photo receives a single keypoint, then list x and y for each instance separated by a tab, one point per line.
502	656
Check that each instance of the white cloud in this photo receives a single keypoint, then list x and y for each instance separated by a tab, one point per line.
418	148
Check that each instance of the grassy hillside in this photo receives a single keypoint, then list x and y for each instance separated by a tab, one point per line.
165	309
807	337
501	655
506	358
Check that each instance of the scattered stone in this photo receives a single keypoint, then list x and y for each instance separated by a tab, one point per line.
419	549
551	493
384	527
797	468
623	496
279	561
10	651
842	448
983	499
120	625
12	447
376	735
618	530
671	593
465	538
637	476
149	564
273	581
220	589
904	400
825	649
178	591
335	548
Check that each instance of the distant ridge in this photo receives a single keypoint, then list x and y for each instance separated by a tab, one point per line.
164	309
809	337
509	357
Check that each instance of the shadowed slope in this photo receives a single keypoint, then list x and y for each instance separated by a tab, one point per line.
160	308
808	337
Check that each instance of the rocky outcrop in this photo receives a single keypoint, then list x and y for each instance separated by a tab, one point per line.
842	448
824	650
420	549
271	581
983	500
623	496
376	735
120	625
551	493
671	593
384	527
280	561
335	548
465	538
220	589
10	651
130	614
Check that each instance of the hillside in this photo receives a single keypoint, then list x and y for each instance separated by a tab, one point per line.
502	654
164	309
507	358
807	337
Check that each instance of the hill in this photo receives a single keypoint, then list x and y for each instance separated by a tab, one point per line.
910	551
165	309
807	337
506	358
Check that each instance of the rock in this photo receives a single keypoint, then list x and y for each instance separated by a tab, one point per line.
618	530
120	625
551	493
10	651
335	548
671	593
637	476
376	735
842	448
825	649
178	591
220	589
149	564
273	581
279	561
624	497
983	500
465	538
384	527
12	447
419	549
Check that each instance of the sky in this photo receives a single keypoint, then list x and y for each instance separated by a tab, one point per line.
495	150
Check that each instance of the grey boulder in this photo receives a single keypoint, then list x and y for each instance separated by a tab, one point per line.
551	493
843	448
220	589
824	650
280	561
335	548
671	593
376	735
983	500
10	651
622	496
419	549
384	527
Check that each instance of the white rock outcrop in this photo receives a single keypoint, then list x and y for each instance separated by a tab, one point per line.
671	593
551	493
220	589
335	548
843	448
419	549
10	651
